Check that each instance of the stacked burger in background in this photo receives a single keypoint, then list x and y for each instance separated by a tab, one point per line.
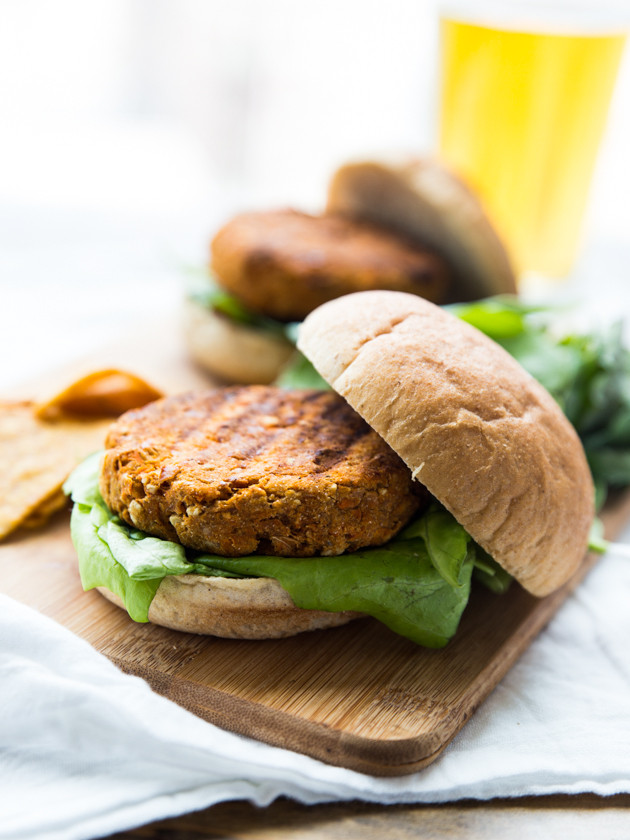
411	228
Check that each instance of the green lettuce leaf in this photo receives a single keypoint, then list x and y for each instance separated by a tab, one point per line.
128	562
82	484
596	540
445	540
208	294
98	567
300	373
488	572
396	584
500	317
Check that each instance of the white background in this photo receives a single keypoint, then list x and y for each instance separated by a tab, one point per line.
131	128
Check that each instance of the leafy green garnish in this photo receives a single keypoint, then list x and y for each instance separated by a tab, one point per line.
396	584
446	545
596	539
488	572
418	584
500	317
99	567
126	561
300	373
206	293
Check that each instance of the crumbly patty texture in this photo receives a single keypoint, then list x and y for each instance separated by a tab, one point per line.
257	469
284	263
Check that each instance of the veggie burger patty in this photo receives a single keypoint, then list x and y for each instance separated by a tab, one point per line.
284	263
246	470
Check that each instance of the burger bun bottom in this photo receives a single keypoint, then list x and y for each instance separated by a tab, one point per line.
231	351
232	608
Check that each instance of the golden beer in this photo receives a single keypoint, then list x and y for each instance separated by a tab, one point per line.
522	115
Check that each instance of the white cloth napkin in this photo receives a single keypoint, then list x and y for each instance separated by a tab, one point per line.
98	751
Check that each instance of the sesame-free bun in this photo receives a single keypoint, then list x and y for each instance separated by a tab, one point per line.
248	608
231	351
427	202
473	426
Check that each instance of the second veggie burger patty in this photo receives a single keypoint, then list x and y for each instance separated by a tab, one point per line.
246	470
284	264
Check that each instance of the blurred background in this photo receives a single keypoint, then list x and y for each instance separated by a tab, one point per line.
132	128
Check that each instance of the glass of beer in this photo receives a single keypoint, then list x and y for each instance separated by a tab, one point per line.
524	98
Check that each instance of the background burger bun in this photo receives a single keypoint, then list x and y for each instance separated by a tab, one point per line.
420	199
249	608
425	201
471	424
231	351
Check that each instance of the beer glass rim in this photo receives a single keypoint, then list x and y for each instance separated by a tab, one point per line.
562	17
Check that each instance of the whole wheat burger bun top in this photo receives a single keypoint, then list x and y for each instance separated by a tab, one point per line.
473	426
426	202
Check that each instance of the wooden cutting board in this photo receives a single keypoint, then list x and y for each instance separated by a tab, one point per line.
357	696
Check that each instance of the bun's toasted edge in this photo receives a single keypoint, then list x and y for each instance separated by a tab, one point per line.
233	352
475	428
425	201
244	608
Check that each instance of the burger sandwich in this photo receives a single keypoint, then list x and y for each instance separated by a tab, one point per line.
411	228
255	512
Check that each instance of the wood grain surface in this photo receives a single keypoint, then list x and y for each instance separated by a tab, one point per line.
584	817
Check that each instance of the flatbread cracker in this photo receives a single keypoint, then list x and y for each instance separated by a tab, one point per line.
42	442
36	458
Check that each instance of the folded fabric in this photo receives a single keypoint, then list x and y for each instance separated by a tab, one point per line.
99	752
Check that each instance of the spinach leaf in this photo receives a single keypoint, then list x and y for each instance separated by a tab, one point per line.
206	293
396	584
300	373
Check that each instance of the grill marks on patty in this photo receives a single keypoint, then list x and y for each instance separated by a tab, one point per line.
237	471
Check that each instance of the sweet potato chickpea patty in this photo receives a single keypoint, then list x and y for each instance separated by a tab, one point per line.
285	263
257	469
